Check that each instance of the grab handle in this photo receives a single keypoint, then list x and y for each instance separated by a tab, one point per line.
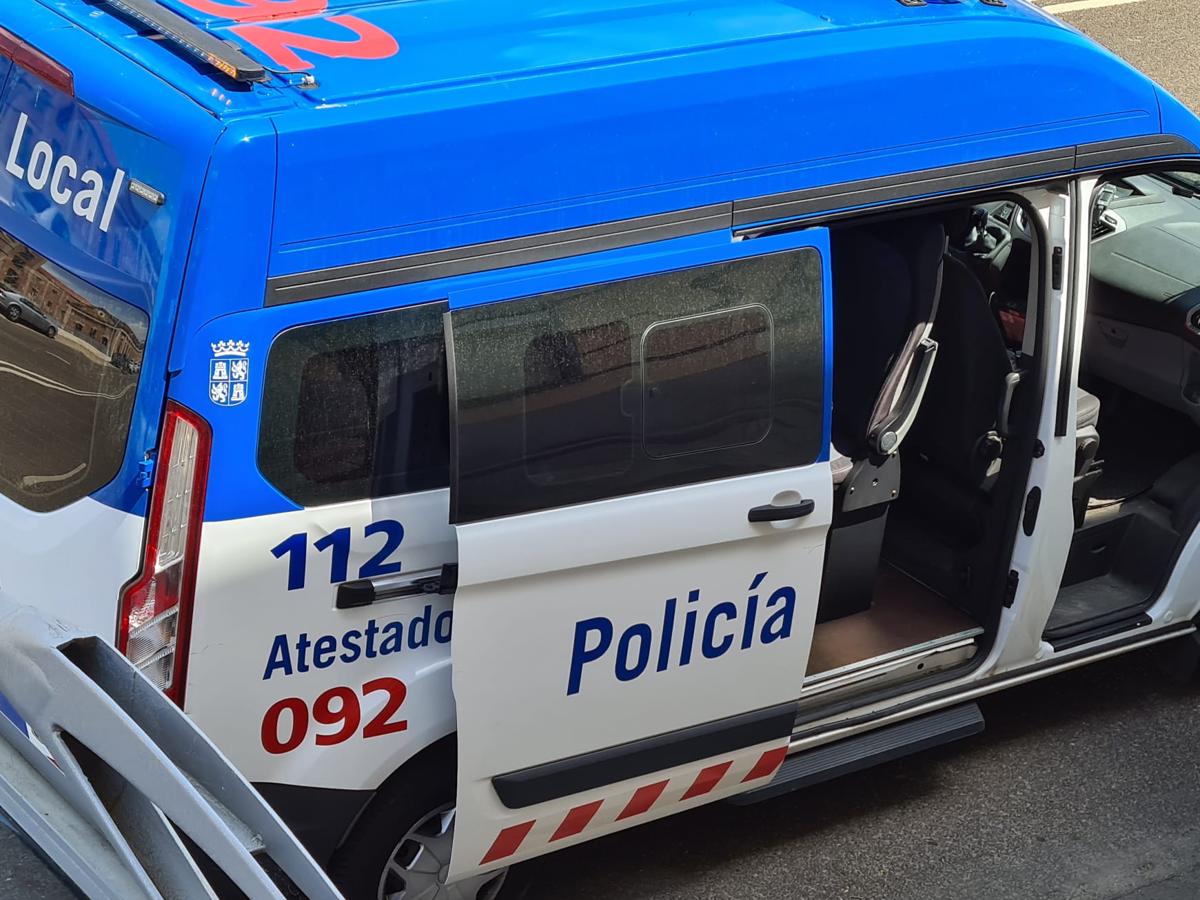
772	513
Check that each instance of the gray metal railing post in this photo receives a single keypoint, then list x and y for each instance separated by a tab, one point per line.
121	772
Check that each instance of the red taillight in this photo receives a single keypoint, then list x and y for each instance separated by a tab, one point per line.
156	607
31	59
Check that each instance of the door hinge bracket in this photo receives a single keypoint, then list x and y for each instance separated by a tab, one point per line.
145	474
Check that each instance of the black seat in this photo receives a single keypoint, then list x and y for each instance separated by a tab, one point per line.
886	289
886	286
867	274
953	454
969	383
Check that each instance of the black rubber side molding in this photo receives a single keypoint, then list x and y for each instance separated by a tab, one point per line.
550	781
754	216
866	750
1094	629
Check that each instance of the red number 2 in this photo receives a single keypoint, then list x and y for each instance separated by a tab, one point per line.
242	10
396	691
369	42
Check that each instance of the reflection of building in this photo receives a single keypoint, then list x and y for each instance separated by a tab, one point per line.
21	271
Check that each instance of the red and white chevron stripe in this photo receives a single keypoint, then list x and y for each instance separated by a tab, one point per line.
654	796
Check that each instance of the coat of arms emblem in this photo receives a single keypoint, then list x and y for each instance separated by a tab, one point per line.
228	372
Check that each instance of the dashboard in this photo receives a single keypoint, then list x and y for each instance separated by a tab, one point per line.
1143	315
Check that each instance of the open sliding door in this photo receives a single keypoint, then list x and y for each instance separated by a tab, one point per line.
641	493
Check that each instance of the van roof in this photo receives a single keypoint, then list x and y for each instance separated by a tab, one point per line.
451	43
435	124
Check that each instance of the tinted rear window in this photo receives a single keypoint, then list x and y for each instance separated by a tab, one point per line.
70	357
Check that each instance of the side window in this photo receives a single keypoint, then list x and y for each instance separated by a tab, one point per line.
66	394
357	408
707	382
632	386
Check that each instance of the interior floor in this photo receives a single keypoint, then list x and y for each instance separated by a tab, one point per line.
1145	500
904	614
1110	598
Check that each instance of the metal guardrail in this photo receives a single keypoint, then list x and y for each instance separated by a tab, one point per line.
116	773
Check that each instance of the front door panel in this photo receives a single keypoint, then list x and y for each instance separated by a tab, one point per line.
627	639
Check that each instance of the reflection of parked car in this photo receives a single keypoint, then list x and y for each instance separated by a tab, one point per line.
125	364
18	308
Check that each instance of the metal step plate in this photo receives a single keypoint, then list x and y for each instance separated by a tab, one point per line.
875	673
866	750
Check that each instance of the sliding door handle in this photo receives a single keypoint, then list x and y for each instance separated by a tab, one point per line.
772	513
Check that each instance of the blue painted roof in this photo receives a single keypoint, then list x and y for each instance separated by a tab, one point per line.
429	44
434	123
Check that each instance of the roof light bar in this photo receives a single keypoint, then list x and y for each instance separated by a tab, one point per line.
224	56
31	59
925	2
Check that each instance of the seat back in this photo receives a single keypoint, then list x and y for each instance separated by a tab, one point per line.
886	287
887	281
963	398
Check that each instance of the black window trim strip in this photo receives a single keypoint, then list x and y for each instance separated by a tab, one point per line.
763	211
587	771
452	398
503	254
892	188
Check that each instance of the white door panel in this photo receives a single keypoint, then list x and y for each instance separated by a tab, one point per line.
263	656
707	617
624	626
705	604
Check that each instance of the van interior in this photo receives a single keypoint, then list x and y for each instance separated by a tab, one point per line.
1141	360
933	432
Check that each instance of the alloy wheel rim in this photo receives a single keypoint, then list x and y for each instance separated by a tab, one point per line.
417	866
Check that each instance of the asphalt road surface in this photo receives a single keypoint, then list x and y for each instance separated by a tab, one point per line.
1082	787
1157	36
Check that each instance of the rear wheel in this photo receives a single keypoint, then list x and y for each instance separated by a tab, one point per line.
13	313
51	332
400	847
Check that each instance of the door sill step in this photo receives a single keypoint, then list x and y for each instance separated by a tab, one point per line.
1062	642
925	658
903	653
865	750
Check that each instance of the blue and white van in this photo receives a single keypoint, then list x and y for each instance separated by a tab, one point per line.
501	425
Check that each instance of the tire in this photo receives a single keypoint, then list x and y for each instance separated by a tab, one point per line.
407	817
13	313
1179	660
51	332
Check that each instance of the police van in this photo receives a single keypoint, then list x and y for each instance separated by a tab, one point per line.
500	425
